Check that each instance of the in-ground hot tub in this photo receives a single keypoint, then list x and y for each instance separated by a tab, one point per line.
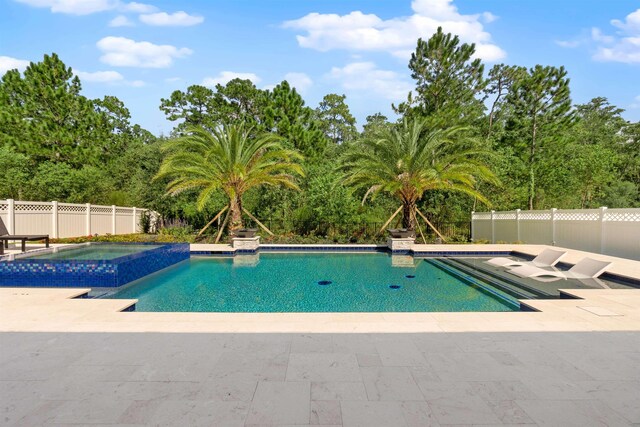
100	265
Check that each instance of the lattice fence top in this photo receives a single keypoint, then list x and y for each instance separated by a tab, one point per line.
535	215
33	207
70	208
101	209
504	215
622	215
4	207
482	215
126	211
578	215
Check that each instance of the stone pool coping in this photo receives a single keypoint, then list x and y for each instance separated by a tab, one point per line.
58	310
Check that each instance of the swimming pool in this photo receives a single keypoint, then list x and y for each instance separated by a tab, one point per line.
313	282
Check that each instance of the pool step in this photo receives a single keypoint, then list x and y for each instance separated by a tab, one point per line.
508	285
506	296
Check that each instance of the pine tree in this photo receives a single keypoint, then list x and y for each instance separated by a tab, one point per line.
541	100
288	116
501	79
449	83
335	119
44	116
193	107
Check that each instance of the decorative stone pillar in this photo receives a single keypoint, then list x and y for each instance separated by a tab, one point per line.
400	244
245	244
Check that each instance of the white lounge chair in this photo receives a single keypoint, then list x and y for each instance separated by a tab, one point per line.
585	269
546	258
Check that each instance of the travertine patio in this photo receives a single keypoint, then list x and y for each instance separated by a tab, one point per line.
422	379
66	361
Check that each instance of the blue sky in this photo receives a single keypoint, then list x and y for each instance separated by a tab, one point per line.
142	51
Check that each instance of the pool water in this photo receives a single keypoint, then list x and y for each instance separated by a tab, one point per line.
95	252
309	283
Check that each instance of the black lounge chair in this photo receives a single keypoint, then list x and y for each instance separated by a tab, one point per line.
5	237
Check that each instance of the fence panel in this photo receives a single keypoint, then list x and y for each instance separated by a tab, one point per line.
124	220
481	226
508	232
621	232
72	220
578	229
536	227
32	218
101	218
608	231
68	219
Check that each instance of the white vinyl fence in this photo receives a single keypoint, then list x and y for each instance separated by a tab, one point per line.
607	231
68	219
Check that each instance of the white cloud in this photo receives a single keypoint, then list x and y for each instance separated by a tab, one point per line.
300	81
121	21
177	19
7	63
100	76
569	43
172	79
107	77
488	17
366	76
631	23
87	7
73	7
624	46
357	31
635	103
135	7
598	36
226	76
124	52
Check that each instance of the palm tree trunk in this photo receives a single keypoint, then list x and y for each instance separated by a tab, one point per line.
408	215
235	209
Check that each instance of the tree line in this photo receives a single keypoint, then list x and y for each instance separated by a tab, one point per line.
515	136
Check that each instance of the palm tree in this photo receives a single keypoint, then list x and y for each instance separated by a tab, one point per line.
228	159
408	160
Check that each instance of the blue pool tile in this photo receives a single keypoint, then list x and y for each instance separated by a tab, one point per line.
115	272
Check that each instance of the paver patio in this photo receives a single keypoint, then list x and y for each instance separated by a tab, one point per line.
213	379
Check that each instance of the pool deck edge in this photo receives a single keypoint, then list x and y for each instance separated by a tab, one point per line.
57	310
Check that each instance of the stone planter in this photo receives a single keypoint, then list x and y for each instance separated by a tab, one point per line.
401	233
245	232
